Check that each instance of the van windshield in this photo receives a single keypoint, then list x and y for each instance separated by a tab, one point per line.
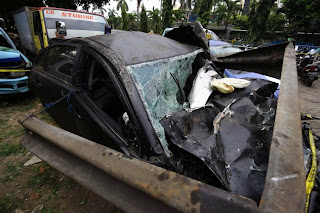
4	44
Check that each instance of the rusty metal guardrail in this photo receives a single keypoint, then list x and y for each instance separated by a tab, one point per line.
136	186
285	182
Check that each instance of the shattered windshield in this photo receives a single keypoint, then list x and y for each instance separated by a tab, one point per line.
158	83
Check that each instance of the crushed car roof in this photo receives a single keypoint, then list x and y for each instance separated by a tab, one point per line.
137	47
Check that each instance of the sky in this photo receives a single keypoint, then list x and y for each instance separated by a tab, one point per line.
132	4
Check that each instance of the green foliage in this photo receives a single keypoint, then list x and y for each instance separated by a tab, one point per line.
155	20
196	7
43	174
124	8
9	203
276	21
166	13
178	14
112	19
9	6
259	21
205	6
10	148
138	13
227	9
12	170
241	22
302	15
144	20
122	4
252	14
132	21
204	18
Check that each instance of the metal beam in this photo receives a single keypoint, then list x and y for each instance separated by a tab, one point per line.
168	189
284	189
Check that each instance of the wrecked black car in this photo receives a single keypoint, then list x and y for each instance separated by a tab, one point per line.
150	97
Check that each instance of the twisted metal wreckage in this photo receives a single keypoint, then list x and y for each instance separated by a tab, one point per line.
238	152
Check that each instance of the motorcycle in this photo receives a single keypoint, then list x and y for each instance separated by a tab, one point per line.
307	70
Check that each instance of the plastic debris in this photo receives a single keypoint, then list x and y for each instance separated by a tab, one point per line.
201	89
227	85
33	160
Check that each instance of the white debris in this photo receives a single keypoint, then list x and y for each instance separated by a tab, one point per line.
37	209
221	115
201	89
284	177
227	85
33	160
125	118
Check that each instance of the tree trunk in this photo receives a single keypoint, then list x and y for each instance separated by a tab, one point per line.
138	14
138	17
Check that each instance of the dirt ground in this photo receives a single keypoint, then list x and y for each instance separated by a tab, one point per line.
23	189
310	103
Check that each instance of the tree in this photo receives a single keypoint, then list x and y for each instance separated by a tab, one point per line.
124	22
205	6
179	14
155	20
138	12
205	12
144	20
100	9
302	15
196	7
276	21
9	6
113	19
226	10
252	14
69	4
85	4
185	5
259	25
241	22
166	13
132	21
122	4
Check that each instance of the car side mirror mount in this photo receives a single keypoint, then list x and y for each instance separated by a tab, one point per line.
125	118
61	28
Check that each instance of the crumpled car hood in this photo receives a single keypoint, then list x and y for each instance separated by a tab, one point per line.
231	135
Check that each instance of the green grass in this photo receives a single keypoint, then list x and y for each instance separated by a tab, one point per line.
9	203
48	177
9	148
12	170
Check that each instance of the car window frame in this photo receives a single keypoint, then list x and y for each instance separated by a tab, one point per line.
118	84
55	73
75	83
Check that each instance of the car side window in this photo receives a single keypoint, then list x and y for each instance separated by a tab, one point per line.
61	58
101	88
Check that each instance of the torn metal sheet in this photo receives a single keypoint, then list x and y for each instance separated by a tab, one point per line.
265	60
238	153
190	33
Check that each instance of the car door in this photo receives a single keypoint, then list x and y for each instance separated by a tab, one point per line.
101	114
51	79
